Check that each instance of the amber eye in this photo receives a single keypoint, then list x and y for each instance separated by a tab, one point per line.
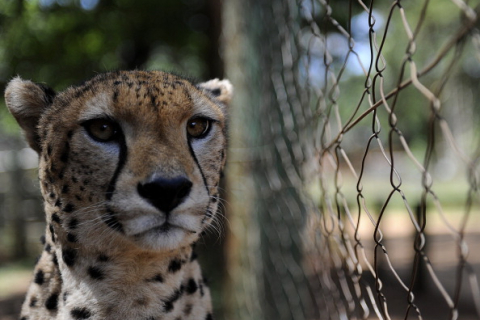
198	127
102	130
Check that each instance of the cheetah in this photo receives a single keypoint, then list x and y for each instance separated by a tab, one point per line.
129	167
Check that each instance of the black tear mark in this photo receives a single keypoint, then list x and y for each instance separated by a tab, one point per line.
198	165
66	151
122	158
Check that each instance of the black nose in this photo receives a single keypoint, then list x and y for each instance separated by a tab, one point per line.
165	193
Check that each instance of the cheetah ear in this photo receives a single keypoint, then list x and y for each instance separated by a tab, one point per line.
27	101
221	90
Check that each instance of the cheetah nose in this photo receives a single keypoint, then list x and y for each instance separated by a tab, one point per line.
165	193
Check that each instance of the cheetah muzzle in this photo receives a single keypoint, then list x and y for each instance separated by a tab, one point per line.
129	166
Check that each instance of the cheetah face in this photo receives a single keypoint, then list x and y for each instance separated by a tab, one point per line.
131	158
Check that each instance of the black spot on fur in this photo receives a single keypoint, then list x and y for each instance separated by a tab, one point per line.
156	278
69	208
71	237
52	302
96	273
42	239
209	317
115	95
168	305
73	224
48	248
188	309
70	134
69	256
58	203
194	256
65	296
80	313
65	188
24	318
174	265
103	258
52	232
54	259
191	286
55	218
39	277
33	302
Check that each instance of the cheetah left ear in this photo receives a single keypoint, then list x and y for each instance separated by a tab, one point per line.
27	101
221	90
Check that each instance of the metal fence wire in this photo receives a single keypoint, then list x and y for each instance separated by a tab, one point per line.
365	156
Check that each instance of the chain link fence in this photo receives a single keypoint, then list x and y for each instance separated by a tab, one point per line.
354	159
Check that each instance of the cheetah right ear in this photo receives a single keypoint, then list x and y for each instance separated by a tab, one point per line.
27	101
221	90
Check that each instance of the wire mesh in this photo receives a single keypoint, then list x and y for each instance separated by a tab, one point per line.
367	160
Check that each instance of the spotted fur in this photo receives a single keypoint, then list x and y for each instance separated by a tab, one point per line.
123	212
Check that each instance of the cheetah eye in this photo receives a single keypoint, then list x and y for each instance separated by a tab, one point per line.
102	130
198	127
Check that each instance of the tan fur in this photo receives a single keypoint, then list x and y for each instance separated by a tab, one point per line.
110	253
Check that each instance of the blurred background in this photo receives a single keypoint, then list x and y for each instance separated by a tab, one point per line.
351	190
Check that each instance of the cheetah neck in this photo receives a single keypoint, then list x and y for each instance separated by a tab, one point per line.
79	282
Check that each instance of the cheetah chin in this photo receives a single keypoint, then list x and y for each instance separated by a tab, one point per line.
129	167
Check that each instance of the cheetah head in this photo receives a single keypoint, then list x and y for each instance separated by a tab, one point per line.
127	159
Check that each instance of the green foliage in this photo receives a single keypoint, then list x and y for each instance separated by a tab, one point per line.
60	42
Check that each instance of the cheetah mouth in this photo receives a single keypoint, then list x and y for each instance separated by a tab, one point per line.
163	229
167	226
